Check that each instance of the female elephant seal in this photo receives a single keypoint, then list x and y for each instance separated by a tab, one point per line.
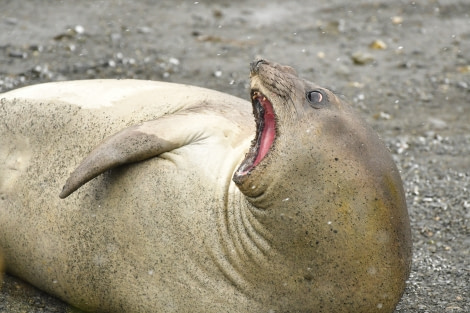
192	214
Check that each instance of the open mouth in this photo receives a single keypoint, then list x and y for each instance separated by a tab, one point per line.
265	132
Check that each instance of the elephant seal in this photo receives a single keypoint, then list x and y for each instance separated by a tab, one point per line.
195	208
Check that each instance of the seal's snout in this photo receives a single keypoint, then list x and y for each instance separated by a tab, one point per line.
254	66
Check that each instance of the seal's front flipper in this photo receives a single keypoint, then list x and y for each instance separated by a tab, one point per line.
138	143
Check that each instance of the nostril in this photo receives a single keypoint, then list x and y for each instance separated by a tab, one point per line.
254	66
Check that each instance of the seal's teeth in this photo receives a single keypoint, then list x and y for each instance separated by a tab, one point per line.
258	96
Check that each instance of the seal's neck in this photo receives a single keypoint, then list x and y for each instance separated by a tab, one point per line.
255	251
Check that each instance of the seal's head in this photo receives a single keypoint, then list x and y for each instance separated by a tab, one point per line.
325	184
299	125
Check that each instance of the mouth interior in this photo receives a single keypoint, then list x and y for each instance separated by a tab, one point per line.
265	132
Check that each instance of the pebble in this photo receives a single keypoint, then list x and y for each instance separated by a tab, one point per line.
397	20
11	20
437	123
362	58
144	30
18	54
464	69
462	85
79	29
378	45
382	116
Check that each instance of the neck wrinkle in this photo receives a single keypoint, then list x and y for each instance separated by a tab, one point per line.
243	243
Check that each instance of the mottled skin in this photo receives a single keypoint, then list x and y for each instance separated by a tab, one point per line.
181	221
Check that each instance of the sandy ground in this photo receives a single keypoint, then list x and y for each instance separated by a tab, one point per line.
405	65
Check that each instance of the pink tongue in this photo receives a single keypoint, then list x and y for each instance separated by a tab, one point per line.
269	131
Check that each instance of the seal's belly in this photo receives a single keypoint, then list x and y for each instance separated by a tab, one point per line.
134	238
132	226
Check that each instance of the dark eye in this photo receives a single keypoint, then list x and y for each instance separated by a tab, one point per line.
315	98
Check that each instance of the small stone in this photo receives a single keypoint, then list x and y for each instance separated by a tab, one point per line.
217	13
11	20
462	85
79	29
453	308
18	54
397	20
362	58
36	48
437	123
115	37
356	84
174	61
382	116
464	69
378	45
425	97
144	30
